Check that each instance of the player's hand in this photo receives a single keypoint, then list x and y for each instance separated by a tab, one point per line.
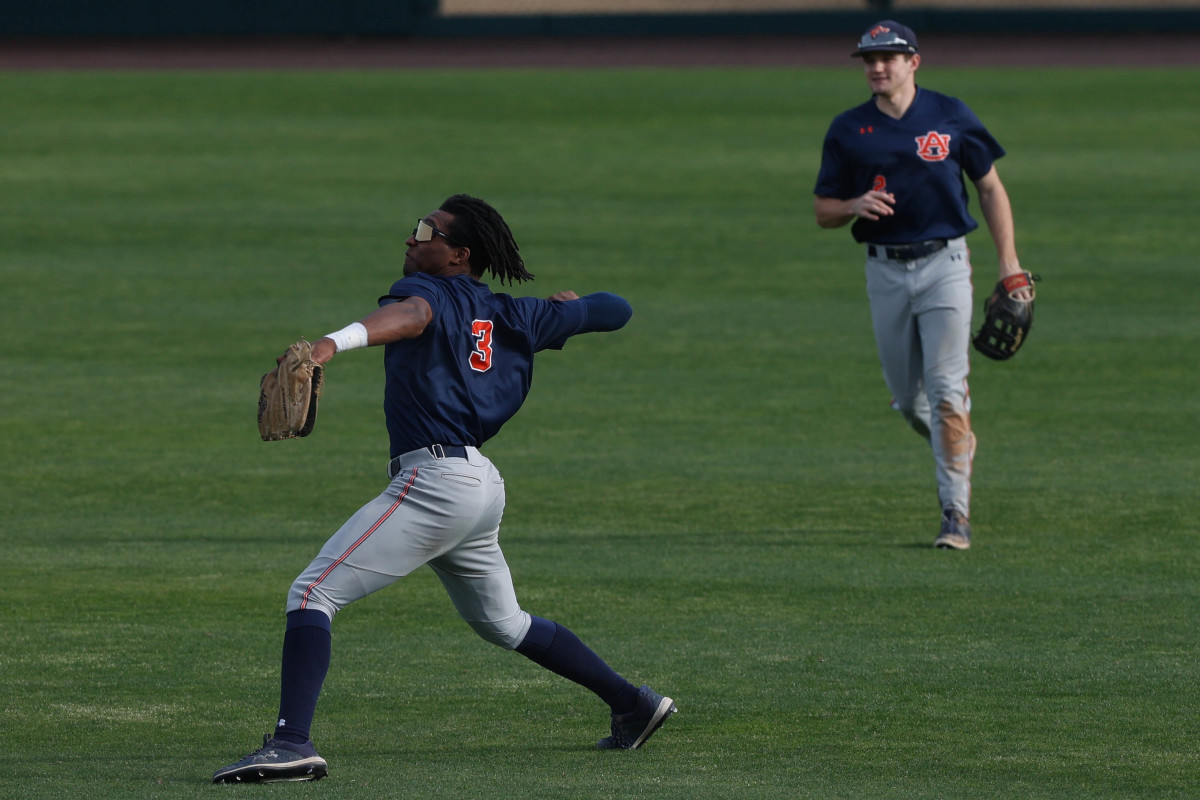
566	295
323	349
1025	294
874	205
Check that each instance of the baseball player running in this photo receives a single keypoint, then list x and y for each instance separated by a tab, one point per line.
894	166
459	362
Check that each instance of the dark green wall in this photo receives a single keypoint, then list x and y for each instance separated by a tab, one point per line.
208	17
165	18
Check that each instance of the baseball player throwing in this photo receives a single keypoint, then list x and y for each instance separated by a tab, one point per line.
459	363
894	166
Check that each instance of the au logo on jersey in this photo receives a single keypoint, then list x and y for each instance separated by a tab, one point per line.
933	146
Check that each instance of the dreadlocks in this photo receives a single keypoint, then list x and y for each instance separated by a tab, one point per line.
480	227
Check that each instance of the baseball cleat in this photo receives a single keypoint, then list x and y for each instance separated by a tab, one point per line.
955	533
630	730
275	761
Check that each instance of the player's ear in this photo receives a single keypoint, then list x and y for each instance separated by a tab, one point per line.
916	61
461	255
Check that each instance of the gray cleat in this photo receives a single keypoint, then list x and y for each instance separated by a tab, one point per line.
275	761
955	533
630	730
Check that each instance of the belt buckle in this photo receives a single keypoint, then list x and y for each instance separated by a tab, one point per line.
437	451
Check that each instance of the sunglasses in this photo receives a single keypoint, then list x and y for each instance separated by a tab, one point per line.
424	232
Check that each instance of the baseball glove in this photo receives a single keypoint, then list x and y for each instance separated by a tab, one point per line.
288	394
1007	320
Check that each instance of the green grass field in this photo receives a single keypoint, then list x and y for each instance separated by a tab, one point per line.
716	498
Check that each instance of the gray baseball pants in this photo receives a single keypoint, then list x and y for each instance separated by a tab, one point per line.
444	512
921	313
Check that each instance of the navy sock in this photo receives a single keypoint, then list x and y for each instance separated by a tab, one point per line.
554	647
307	645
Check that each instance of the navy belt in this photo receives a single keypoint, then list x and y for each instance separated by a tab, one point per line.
438	451
906	252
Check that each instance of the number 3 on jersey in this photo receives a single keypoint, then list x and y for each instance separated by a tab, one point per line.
481	356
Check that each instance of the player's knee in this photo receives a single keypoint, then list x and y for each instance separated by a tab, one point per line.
918	424
506	633
950	403
304	596
915	419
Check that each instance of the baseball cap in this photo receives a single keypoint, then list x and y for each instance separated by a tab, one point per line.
888	36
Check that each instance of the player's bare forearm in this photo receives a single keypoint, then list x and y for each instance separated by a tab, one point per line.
997	212
406	319
831	212
834	213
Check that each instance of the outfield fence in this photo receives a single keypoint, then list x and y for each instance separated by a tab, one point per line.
511	7
431	18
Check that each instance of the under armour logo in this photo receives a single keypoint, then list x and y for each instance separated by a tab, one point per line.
933	146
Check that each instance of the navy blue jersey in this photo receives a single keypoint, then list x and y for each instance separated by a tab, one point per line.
919	158
470	370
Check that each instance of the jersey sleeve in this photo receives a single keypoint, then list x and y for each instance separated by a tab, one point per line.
605	312
414	286
553	322
832	180
979	148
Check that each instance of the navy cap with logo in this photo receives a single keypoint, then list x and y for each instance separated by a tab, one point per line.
888	36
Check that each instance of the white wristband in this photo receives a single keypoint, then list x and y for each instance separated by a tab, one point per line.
351	337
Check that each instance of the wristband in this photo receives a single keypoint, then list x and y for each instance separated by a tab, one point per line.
351	337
